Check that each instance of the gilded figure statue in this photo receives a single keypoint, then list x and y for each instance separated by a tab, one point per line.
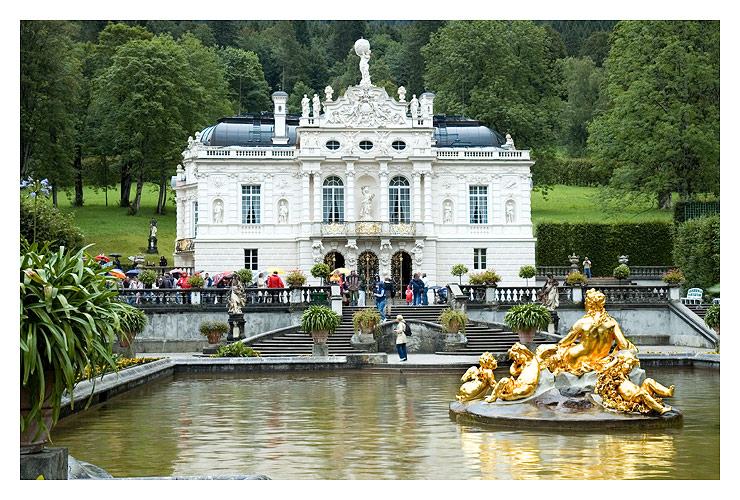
618	392
597	332
479	379
525	374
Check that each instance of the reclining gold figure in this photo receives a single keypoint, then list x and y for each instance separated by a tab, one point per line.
480	379
525	373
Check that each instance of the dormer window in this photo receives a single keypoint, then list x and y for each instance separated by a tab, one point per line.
332	145
366	145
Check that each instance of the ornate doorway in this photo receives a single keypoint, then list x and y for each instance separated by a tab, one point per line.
367	266
334	260
401	271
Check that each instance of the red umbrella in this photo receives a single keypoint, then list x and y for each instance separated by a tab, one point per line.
102	257
177	272
218	277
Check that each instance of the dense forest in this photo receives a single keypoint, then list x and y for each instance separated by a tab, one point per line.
632	106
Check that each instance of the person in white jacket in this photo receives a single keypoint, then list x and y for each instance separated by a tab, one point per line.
401	338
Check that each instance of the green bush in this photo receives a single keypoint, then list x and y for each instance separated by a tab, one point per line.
366	317
132	321
196	281
236	350
696	251
320	318
51	226
148	276
575	278
712	316
621	272
646	243
245	276
208	327
320	270
527	316
578	172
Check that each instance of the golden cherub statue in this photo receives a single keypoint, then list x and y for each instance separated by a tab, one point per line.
525	373
480	379
618	392
597	332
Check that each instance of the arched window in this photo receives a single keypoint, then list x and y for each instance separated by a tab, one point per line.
399	200
333	199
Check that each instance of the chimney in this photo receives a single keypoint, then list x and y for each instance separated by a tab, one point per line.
280	98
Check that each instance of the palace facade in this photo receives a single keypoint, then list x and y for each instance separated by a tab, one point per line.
366	181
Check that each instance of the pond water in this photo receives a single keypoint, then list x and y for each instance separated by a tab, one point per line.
371	425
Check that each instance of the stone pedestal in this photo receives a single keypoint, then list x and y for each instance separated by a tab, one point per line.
320	350
152	248
364	342
454	341
236	330
490	295
577	294
52	463
674	293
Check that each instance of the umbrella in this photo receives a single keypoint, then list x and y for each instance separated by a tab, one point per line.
117	273
218	277
102	257
133	272
342	270
114	254
278	270
436	287
177	272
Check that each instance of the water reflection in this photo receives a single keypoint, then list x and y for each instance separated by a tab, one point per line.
364	425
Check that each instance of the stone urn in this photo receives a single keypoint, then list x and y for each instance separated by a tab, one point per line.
215	337
320	336
454	326
367	327
526	336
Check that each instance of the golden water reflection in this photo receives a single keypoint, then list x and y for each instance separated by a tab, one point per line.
365	425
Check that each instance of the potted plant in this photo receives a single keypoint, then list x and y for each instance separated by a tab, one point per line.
245	276
132	322
674	277
366	320
527	272
487	277
526	319
712	317
295	278
453	321
458	270
214	330
621	272
148	277
196	281
320	322
321	271
68	320
575	278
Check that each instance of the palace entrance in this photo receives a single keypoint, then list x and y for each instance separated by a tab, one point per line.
334	260
401	271
367	266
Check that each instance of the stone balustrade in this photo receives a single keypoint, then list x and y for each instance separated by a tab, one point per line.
260	153
217	298
482	154
636	272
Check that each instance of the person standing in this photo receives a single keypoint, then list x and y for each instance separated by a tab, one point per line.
374	284
260	287
424	296
401	338
587	267
380	299
417	286
274	282
353	286
183	284
390	288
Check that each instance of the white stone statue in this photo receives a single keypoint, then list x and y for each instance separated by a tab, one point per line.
424	107
236	299
509	212
385	254
283	212
218	213
509	142
197	136
414	107
191	142
362	49
402	93
418	252
328	92
304	106
317	249
448	213
367	203
316	106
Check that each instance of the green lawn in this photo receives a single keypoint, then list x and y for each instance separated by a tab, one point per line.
111	229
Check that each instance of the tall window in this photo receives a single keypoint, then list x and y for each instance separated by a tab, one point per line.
333	199
195	219
479	204
399	200
250	259
479	258
250	204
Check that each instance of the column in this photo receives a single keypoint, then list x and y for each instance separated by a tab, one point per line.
306	197
417	197
384	191
428	197
349	194
463	204
318	215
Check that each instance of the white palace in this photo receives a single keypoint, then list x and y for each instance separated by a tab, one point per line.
365	181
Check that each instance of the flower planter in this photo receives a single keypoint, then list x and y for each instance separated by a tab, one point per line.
454	326
367	327
214	337
526	336
320	336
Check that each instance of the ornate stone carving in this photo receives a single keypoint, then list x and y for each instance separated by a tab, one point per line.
365	106
362	49
317	250
218	212
367	203
418	252
510	214
283	212
447	218
385	254
351	247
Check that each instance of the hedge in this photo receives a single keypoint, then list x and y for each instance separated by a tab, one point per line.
51	225
646	244
696	251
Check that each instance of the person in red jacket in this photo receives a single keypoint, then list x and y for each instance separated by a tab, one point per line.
274	281
183	283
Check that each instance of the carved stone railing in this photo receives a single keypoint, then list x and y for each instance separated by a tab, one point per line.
217	298
635	294
482	154
368	228
511	295
636	272
184	245
558	271
247	153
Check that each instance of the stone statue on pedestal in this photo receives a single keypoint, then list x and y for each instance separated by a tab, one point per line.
414	105
367	203
316	106
305	106
362	49
152	248
328	92
402	94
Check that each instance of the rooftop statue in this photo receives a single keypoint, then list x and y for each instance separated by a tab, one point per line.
597	332
362	49
479	379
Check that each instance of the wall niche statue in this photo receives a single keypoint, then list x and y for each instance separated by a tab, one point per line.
447	215
510	212
218	212
283	212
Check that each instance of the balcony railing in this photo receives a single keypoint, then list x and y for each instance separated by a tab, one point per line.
636	272
482	154
248	153
368	228
217	298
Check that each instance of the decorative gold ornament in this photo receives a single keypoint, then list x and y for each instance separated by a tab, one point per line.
597	332
480	379
525	373
618	392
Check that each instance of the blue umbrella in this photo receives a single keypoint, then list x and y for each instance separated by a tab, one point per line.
133	272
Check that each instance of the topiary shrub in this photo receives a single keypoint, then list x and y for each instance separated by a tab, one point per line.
527	272
148	276
295	278
196	281
320	270
245	275
621	272
458	270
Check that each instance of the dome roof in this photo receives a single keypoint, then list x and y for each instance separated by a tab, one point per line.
461	132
